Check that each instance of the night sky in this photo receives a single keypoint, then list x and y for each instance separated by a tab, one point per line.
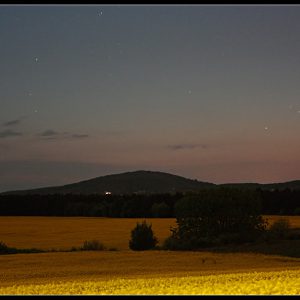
206	92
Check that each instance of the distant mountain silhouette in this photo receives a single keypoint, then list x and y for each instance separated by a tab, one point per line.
125	183
146	182
292	185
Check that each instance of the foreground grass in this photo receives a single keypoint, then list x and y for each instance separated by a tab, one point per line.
257	283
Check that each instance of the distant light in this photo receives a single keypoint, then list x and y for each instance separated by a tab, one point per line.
107	193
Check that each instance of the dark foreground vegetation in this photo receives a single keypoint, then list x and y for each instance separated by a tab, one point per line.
277	202
210	220
227	223
93	245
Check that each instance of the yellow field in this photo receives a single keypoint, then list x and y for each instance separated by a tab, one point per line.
257	283
294	220
130	272
65	232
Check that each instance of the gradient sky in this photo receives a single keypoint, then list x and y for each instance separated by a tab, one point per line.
206	92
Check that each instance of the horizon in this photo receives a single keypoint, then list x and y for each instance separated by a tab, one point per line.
53	186
208	92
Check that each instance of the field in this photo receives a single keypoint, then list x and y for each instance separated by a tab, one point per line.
128	272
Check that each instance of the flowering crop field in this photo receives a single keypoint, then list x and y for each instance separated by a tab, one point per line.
126	272
65	232
256	283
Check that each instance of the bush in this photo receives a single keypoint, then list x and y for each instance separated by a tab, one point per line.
4	248
113	249
92	245
280	229
173	243
160	210
216	217
142	237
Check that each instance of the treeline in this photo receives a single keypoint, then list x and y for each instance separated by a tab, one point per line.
280	202
285	202
117	206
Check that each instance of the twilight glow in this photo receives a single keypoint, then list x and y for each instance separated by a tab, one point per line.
206	92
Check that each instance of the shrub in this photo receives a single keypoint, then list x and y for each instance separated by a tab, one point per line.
112	249
160	210
3	248
74	249
142	237
280	229
216	217
92	245
173	243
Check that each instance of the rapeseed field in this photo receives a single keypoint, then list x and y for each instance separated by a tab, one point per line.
126	272
256	283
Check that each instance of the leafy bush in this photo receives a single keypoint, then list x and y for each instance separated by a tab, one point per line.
4	249
112	249
216	217
142	237
280	229
174	243
92	245
160	210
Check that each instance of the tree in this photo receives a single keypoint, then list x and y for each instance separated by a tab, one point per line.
217	217
160	210
142	237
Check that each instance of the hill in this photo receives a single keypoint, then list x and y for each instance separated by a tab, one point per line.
142	182
292	185
125	183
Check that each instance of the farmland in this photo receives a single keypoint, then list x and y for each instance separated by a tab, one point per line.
128	272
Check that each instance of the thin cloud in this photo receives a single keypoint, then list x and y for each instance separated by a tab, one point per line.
9	133
186	146
79	136
49	132
13	122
